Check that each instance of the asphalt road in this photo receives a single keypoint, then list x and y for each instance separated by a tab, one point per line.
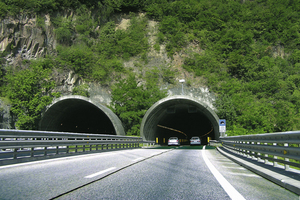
137	174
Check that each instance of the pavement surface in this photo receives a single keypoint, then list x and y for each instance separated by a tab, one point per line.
166	173
286	179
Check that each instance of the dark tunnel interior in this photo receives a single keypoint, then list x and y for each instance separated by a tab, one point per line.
75	115
183	122
180	116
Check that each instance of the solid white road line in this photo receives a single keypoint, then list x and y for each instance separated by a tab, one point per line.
231	191
101	172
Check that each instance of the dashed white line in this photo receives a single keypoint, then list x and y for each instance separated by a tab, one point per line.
100	172
243	174
137	159
241	168
223	161
230	190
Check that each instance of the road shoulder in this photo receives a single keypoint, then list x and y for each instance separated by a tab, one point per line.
285	179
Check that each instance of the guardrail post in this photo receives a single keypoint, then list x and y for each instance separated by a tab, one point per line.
45	151
244	151
15	153
258	154
32	152
266	155
287	167
248	152
253	153
275	164
240	151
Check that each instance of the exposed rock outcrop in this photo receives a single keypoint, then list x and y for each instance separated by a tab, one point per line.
5	117
22	38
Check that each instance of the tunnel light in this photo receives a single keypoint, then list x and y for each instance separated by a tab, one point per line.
182	81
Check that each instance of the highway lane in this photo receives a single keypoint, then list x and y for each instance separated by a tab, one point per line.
49	178
134	174
181	174
178	174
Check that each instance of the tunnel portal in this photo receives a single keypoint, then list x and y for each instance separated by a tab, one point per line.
80	115
180	116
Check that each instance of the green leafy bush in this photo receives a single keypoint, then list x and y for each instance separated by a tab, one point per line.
29	91
81	90
131	100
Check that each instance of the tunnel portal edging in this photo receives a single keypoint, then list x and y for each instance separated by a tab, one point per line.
158	106
116	122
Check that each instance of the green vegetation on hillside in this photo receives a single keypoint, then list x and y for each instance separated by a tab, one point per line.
250	54
131	100
29	91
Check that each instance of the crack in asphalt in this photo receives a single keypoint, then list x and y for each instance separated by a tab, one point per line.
109	174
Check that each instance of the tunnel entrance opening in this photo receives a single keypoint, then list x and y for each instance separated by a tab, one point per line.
76	115
184	125
182	117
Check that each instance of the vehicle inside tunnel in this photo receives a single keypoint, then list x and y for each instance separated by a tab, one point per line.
76	115
181	117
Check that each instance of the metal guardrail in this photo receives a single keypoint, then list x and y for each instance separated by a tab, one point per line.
21	144
270	148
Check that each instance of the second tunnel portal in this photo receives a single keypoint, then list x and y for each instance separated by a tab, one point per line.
179	116
79	114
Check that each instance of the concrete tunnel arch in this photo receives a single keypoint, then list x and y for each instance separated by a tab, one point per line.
182	113
74	113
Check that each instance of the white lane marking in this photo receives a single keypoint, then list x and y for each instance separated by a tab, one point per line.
243	174
137	159
230	190
226	162
241	168
101	172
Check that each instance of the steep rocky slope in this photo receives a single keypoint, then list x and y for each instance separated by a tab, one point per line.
26	38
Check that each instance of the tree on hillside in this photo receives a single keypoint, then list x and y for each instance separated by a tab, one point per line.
131	100
30	92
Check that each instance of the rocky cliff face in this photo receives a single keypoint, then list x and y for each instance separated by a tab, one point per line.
5	117
22	38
